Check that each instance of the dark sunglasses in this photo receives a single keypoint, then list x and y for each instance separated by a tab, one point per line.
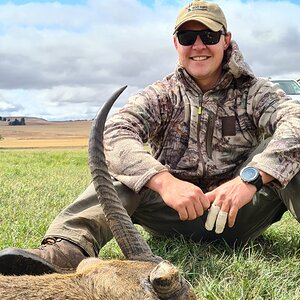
208	37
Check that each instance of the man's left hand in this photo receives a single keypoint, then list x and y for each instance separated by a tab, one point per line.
226	201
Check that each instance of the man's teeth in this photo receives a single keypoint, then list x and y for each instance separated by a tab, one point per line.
199	58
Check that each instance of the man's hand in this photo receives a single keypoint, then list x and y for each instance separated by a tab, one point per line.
226	200
186	198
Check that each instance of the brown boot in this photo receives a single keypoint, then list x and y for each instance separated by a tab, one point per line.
55	255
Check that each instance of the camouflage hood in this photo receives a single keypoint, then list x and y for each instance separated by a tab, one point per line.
204	137
234	62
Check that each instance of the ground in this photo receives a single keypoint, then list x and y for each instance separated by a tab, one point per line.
39	133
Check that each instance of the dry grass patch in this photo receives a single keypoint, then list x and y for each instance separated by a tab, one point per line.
39	133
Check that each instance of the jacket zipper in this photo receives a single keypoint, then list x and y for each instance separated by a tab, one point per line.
209	133
198	140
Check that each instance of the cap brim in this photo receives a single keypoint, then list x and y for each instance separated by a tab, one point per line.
213	25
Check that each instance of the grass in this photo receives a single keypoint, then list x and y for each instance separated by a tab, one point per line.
36	184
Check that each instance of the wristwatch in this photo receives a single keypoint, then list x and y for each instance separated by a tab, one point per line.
251	175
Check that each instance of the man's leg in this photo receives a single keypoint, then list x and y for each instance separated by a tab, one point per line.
291	196
83	222
80	230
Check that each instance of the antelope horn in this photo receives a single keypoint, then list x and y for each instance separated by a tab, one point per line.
128	238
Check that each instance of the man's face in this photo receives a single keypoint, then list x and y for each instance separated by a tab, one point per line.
202	62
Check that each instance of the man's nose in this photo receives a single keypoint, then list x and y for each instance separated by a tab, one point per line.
198	43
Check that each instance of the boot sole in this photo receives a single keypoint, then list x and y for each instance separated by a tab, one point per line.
14	261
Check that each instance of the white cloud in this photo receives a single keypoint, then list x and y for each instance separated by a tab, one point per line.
62	61
5	106
268	34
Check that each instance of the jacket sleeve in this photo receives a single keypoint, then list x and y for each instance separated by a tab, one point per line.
278	116
126	134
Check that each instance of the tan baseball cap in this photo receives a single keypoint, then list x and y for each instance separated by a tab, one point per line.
208	13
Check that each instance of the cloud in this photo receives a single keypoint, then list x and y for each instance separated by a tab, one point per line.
9	107
62	61
268	34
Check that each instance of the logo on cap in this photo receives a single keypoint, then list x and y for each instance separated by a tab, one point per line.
193	6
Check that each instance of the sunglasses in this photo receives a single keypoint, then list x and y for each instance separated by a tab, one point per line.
208	37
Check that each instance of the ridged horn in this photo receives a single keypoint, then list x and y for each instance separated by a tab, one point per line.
128	238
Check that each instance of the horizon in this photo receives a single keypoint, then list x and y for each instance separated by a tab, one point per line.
8	118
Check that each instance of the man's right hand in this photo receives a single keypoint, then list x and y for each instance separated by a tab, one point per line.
186	198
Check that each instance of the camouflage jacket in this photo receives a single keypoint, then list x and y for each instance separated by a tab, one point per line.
205	137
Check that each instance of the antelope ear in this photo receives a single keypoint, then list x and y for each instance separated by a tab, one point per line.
168	282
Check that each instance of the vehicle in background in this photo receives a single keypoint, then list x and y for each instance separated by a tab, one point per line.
291	87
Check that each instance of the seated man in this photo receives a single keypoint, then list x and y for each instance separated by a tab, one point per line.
206	125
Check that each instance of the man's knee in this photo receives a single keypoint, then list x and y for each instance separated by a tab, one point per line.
290	196
129	198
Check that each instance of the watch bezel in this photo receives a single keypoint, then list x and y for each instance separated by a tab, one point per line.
244	177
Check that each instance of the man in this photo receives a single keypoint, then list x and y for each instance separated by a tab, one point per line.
211	175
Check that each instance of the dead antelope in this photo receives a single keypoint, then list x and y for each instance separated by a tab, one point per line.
141	276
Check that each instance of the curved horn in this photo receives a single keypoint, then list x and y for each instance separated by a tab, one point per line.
128	238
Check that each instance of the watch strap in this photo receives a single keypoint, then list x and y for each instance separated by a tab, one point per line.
258	183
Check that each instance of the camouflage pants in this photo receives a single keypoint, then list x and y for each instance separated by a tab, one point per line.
83	221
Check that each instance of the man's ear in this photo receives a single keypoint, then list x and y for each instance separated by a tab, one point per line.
175	41
227	40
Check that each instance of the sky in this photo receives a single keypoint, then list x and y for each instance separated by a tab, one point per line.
61	60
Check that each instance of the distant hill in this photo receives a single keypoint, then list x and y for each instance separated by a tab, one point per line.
37	121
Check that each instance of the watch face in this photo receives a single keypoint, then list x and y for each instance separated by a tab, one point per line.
249	174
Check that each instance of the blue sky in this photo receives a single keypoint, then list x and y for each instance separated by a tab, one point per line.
63	61
43	1
83	2
147	2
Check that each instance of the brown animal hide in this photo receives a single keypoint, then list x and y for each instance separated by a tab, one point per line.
101	280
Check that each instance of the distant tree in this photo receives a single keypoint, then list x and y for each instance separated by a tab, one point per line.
0	118
17	122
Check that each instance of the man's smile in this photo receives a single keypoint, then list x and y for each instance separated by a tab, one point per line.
200	58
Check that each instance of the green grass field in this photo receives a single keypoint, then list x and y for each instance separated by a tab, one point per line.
36	184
